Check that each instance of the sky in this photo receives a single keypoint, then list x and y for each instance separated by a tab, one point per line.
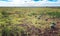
29	3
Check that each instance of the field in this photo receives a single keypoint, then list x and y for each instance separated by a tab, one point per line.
29	21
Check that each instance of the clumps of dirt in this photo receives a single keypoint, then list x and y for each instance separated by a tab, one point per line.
51	32
33	31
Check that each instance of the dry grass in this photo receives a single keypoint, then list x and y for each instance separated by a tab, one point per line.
27	22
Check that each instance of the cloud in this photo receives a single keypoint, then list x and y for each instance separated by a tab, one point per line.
26	3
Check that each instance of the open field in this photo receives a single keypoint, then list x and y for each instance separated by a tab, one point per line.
29	21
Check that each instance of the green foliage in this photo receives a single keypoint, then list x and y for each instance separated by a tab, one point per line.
6	31
54	14
32	14
5	14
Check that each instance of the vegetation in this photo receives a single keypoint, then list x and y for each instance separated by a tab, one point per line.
54	14
28	21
